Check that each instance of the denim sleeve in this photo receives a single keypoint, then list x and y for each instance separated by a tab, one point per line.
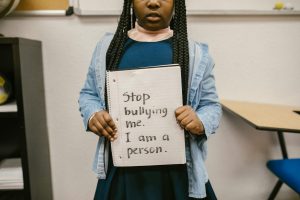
209	109
89	100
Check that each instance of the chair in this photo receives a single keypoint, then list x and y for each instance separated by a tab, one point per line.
288	172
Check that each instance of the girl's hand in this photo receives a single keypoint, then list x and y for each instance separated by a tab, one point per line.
103	125
188	120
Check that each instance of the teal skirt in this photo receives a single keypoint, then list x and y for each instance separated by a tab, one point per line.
166	182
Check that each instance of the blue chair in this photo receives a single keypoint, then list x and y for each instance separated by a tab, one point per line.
288	172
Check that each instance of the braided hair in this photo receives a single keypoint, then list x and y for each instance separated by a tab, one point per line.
179	40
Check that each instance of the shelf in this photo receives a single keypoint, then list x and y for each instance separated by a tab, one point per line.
40	13
9	107
23	123
11	174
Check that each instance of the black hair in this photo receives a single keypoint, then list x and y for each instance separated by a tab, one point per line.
179	40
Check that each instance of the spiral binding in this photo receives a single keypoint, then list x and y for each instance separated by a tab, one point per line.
116	158
108	90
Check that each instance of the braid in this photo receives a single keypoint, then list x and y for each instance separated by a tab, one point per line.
180	44
116	46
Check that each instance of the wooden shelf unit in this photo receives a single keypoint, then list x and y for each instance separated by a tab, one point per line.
23	121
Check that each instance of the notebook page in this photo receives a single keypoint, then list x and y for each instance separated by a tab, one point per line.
142	103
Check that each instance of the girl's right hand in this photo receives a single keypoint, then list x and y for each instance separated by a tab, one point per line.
103	125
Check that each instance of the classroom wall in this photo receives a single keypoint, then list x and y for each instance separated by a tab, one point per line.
257	59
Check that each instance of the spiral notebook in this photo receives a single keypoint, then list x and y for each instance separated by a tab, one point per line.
142	103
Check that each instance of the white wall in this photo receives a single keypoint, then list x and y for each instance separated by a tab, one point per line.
257	59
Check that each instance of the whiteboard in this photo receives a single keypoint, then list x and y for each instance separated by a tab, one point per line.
266	5
113	7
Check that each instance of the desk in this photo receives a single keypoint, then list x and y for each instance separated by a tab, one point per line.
267	117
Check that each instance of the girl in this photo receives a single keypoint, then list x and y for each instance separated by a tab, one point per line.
154	33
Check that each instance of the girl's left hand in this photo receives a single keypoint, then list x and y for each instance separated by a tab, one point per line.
188	120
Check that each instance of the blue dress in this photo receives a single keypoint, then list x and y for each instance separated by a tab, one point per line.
167	182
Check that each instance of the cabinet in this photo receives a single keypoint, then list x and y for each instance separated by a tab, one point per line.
23	127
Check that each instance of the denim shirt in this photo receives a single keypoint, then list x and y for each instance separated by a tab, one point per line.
202	97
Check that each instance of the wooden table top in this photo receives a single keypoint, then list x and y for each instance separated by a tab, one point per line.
268	117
